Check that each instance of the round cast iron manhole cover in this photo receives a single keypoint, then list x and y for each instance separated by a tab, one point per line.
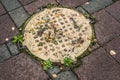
57	33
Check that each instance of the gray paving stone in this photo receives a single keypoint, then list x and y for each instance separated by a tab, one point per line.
66	75
113	48
106	27
19	16
104	3
96	5
92	6
80	9
10	4
54	70
72	3
4	53
13	48
22	67
98	66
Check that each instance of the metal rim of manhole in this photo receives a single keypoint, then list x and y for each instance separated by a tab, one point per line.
57	33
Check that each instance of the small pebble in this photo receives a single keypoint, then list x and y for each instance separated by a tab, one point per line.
87	3
54	75
13	28
90	49
112	52
6	39
95	40
62	62
61	68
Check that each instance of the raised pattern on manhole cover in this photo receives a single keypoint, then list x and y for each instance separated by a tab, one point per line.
57	33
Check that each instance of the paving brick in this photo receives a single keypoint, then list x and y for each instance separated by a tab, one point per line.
104	3
31	8
92	6
13	48
19	16
4	53
10	4
24	2
114	10
106	28
96	5
21	67
113	48
7	28
54	70
98	66
2	10
72	3
66	75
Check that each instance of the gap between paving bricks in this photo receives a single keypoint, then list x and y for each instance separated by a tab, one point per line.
8	49
115	0
85	11
11	55
75	73
25	5
9	15
13	48
102	45
109	52
112	16
7	12
11	9
111	56
5	53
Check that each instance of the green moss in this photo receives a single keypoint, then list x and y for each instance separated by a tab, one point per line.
86	53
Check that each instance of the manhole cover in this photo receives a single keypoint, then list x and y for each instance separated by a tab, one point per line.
57	33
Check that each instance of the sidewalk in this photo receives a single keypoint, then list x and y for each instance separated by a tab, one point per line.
102	64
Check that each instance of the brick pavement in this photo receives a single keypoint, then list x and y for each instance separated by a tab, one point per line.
102	64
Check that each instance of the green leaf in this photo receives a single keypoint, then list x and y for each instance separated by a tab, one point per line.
15	37
68	61
14	41
47	64
18	38
45	68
